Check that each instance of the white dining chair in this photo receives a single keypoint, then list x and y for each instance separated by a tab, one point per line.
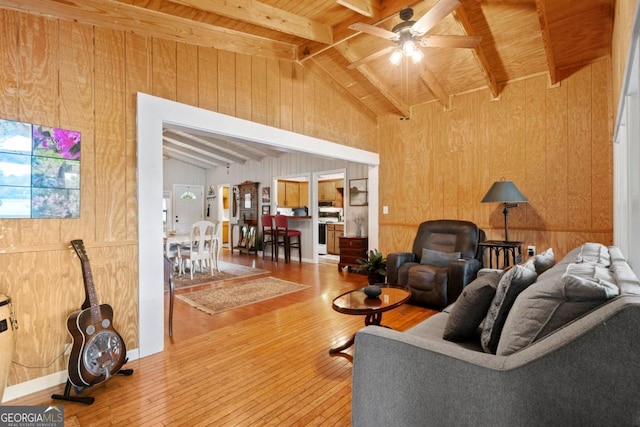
200	249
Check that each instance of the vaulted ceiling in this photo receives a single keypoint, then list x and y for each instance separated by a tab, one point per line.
519	39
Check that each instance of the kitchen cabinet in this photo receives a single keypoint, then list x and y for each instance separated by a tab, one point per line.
225	231
331	191
293	194
351	249
334	232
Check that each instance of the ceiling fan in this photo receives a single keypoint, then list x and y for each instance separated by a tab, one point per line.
408	34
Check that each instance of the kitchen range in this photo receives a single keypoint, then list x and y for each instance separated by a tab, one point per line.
327	214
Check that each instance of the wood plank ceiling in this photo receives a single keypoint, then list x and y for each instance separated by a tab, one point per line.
519	39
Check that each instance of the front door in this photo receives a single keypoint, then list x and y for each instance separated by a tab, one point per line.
188	206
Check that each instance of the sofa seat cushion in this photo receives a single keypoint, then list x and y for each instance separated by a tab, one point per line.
471	307
512	283
550	304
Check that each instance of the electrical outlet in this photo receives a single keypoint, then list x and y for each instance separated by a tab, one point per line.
531	250
385	210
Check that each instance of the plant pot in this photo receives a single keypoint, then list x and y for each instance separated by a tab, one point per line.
375	278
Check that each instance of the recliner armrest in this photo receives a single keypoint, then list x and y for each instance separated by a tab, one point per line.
461	273
394	261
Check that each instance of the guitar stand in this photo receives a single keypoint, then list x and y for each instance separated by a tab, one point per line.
87	400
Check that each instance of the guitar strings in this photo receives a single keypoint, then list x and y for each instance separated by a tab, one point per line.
66	347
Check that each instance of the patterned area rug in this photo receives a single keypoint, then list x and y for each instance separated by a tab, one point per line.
228	271
224	298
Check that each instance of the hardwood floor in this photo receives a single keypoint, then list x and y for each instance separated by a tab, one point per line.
262	364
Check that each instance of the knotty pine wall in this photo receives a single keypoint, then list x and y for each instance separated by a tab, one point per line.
553	142
67	74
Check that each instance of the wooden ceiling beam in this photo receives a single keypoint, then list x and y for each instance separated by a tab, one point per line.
317	70
375	80
264	15
193	159
368	8
195	143
462	18
434	86
546	40
124	17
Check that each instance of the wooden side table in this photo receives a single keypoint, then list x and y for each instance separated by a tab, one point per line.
510	251
352	248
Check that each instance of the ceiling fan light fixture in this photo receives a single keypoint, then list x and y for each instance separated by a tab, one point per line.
417	56
409	48
396	57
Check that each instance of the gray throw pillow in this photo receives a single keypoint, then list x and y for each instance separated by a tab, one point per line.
544	261
548	305
438	258
514	281
595	253
471	307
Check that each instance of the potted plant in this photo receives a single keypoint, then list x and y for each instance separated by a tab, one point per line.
375	265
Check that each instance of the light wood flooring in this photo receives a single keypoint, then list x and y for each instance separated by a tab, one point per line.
262	364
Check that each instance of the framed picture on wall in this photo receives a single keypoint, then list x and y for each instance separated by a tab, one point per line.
266	209
266	195
358	192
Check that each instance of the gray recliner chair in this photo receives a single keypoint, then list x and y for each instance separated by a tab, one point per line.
444	259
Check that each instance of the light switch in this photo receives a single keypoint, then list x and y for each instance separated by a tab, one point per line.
385	210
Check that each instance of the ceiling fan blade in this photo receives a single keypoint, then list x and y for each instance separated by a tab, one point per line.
450	41
371	57
434	15
374	31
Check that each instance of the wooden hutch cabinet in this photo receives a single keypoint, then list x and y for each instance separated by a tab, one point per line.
248	203
352	248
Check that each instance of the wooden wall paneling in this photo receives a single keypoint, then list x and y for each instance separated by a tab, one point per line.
309	103
45	288
243	86
110	151
115	273
465	157
517	154
226	82
9	59
38	104
437	125
452	124
298	104
533	184
579	141
138	79
602	148
187	74
208	78
76	113
286	95
164	77
273	92
259	90
9	107
494	138
412	165
556	150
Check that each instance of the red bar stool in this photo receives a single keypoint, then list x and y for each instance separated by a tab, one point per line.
281	223
268	235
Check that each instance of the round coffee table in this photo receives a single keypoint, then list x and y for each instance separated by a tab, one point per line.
356	302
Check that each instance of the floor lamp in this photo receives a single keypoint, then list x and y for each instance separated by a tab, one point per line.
504	192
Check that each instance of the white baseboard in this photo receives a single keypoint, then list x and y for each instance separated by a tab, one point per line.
38	384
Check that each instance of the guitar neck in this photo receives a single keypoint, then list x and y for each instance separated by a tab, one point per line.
96	315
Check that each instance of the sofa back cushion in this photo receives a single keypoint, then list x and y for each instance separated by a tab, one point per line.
471	307
552	303
512	283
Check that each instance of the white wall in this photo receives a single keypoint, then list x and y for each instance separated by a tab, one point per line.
626	160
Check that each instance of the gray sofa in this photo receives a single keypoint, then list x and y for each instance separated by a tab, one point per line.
585	372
